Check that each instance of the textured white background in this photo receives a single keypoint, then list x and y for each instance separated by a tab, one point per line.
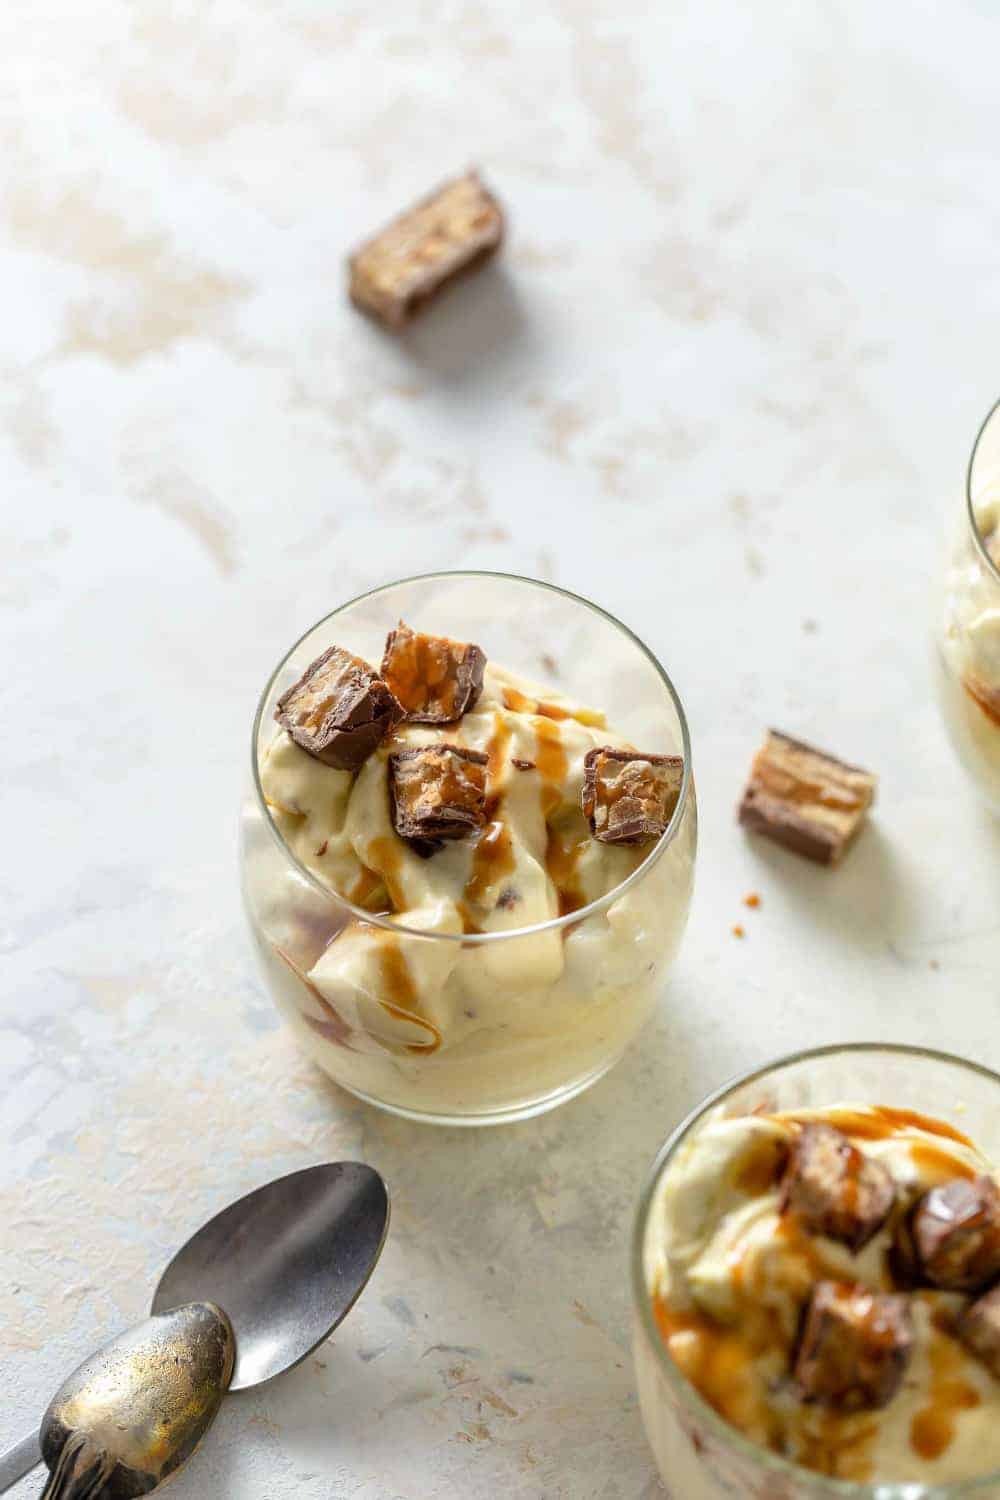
724	382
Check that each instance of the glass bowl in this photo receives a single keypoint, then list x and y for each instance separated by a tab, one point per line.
967	620
701	1456
516	1021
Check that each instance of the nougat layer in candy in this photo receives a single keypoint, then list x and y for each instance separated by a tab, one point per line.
805	799
457	227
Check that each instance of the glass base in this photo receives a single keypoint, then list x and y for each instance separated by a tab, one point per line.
507	1116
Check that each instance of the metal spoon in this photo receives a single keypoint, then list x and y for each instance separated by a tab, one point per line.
287	1263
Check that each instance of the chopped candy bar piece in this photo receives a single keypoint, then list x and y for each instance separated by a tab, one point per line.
457	227
835	1189
629	797
854	1348
435	679
955	1233
804	799
339	710
979	1330
438	792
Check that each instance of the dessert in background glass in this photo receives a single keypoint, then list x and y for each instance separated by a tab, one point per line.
967	620
812	1316
500	965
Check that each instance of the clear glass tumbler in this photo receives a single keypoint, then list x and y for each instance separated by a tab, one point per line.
967	620
700	1456
545	1010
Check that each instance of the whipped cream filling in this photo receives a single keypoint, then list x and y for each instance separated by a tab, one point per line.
534	860
730	1275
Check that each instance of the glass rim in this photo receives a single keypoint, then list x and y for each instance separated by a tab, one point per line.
773	1463
477	939
977	536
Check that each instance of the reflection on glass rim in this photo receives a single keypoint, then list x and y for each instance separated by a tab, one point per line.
730	1436
977	535
571	919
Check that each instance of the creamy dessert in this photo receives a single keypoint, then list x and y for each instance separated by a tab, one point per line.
969	646
828	1281
465	808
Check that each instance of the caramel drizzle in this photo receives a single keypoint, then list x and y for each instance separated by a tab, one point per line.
402	998
333	1027
385	858
519	703
561	860
493	851
881	1121
989	702
422	672
933	1428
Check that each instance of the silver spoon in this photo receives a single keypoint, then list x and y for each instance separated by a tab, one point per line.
286	1263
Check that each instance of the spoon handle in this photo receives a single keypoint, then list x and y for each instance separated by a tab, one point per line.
19	1460
83	1469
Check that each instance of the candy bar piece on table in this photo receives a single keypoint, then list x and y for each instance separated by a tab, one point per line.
805	799
629	797
339	710
435	679
437	792
458	226
979	1330
834	1189
955	1234
854	1348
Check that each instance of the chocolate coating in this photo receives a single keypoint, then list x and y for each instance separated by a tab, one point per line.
339	710
437	792
629	797
955	1234
834	1188
435	679
854	1348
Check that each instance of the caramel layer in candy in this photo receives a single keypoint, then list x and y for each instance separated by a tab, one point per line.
805	799
457	227
955	1234
979	1330
629	797
834	1189
438	792
339	710
435	679
855	1347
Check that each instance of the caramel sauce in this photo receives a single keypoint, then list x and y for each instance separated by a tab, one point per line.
492	858
385	858
331	1027
561	859
550	755
519	703
422	672
400	998
368	884
880	1122
933	1428
939	1165
762	1169
496	749
989	702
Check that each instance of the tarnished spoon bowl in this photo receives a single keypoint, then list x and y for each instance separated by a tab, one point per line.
137	1409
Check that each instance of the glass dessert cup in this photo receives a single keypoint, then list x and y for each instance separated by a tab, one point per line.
540	1011
967	621
701	1456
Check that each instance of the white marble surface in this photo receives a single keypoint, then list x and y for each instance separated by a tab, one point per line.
724	382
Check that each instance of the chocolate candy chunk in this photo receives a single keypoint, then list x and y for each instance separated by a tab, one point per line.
979	1330
629	797
955	1234
805	799
459	226
438	792
338	710
435	679
834	1189
854	1348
